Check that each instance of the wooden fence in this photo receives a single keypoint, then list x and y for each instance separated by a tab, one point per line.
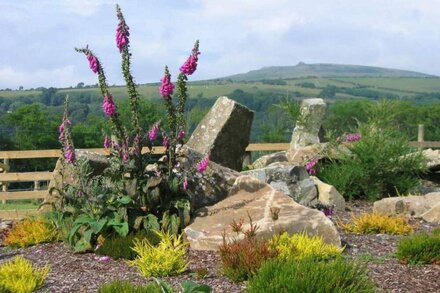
38	177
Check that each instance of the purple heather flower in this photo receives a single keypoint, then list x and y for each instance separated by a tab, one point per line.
185	184
109	106
103	258
106	142
166	87
203	164
181	135
190	64
152	134
310	166
328	211
93	62
353	137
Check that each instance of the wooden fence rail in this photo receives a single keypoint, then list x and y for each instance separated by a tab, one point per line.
36	177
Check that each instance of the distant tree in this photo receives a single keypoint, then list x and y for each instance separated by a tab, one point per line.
20	88
328	92
80	85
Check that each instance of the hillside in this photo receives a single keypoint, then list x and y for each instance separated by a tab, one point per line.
322	70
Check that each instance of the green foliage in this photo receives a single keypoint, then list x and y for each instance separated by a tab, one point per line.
311	276
122	246
128	287
300	246
420	248
19	276
165	259
31	231
365	172
377	224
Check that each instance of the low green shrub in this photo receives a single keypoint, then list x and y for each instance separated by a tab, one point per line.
128	287
19	276
379	164
309	276
299	246
165	259
420	248
377	224
118	247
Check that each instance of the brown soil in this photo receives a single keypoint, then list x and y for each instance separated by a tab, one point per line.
85	273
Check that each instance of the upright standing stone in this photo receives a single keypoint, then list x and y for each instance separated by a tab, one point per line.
306	131
224	132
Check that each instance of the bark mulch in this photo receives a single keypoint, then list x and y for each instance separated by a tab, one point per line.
85	273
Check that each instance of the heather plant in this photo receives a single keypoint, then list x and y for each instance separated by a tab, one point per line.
127	196
374	223
31	231
420	248
300	246
309	276
19	276
379	161
241	258
120	286
165	259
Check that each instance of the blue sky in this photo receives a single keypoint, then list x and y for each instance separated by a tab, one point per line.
37	37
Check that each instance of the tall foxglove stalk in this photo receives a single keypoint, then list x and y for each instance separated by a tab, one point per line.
68	150
109	106
122	42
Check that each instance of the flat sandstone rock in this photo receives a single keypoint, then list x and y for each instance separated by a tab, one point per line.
250	196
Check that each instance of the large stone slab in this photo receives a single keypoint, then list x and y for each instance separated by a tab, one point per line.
432	215
266	160
328	195
433	159
224	132
251	197
290	179
414	206
209	187
306	131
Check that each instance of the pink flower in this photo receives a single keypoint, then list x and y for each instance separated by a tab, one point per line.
122	36
165	141
185	184
166	87
93	62
106	142
109	106
203	164
310	166
190	65
124	153
181	135
353	137
103	258
69	154
152	134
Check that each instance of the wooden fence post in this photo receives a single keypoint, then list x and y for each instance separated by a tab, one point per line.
421	134
5	184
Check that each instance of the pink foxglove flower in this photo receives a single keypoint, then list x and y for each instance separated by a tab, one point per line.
166	87
106	142
122	31
185	184
152	134
165	141
190	65
181	135
69	154
109	106
310	166
93	62
203	164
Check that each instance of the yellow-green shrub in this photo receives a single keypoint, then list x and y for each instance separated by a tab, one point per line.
165	259
19	276
31	231
377	224
300	246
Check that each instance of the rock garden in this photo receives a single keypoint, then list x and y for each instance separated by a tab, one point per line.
354	213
